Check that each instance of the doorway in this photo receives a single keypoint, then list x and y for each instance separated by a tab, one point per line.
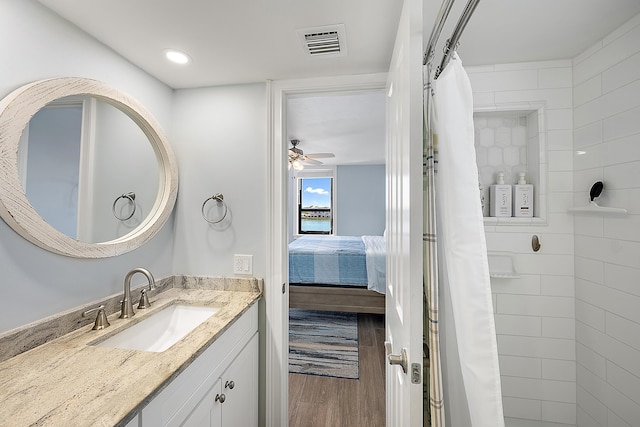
336	147
277	308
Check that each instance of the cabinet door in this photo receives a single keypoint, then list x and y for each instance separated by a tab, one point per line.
208	411
134	422
240	386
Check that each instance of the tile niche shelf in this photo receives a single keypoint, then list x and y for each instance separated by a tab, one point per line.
512	139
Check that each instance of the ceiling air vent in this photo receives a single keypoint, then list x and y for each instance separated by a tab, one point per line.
320	41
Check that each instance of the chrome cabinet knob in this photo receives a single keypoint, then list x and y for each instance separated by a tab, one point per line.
220	398
229	384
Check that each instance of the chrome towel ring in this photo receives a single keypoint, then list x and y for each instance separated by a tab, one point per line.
131	197
220	199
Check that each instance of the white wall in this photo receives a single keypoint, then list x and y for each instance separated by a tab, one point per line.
220	141
361	197
607	264
535	314
34	283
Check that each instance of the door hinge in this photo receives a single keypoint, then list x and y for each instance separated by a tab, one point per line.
416	373
284	289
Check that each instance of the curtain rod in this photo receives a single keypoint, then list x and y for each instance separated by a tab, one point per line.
452	42
443	13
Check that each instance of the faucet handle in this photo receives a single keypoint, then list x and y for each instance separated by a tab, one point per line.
144	300
101	318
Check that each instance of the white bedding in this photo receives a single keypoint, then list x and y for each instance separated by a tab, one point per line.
375	251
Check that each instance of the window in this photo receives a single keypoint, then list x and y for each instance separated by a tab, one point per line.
315	205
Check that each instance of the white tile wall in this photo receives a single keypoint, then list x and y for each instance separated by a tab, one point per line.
535	314
616	421
563	412
522	408
559	370
609	348
543	390
592	361
519	366
569	328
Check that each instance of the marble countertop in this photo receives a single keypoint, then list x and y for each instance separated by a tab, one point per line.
68	381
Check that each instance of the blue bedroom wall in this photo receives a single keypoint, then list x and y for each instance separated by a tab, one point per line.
360	205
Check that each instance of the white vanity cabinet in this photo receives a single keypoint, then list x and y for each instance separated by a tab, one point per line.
190	399
134	422
233	399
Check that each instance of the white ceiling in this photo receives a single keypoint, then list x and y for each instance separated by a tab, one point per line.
351	126
243	41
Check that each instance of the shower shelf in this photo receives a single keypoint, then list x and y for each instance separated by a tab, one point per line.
502	265
594	208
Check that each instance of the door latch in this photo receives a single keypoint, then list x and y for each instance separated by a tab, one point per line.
416	373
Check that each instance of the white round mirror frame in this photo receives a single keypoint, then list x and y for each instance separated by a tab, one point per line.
17	109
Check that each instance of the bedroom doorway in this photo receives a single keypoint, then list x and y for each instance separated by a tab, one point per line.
336	145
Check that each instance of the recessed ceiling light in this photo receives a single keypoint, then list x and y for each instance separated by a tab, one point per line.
177	56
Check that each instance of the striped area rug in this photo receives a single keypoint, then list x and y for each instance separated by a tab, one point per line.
323	343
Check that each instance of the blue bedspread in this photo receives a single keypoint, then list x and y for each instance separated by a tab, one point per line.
331	260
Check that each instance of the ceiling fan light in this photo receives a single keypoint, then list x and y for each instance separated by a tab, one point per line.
297	165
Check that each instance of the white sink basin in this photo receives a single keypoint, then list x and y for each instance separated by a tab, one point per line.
161	330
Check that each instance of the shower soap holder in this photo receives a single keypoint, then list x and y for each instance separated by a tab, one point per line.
502	265
593	207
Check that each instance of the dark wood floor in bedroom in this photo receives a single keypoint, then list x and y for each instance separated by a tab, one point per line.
316	401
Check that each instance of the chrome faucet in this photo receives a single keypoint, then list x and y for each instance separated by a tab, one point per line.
127	306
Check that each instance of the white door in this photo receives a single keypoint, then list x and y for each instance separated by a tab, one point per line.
404	222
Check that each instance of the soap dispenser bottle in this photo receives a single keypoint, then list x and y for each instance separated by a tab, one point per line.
500	198
522	198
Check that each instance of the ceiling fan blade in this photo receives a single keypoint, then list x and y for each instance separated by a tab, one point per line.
306	159
320	155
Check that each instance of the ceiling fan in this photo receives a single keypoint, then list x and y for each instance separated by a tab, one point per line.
297	158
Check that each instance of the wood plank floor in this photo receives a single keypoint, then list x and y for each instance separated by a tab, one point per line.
316	401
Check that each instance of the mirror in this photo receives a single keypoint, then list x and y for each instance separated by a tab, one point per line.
77	160
105	190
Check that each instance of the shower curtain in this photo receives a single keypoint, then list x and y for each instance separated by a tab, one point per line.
433	401
469	356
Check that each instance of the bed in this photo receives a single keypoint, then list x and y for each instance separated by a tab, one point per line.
338	273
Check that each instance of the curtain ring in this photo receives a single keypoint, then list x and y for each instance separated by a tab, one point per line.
220	199
131	196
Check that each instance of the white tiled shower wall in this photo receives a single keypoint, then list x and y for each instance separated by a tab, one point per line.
569	328
607	265
535	320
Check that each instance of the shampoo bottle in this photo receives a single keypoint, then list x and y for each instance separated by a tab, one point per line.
522	198
500	198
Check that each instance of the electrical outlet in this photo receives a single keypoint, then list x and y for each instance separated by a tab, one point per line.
243	264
